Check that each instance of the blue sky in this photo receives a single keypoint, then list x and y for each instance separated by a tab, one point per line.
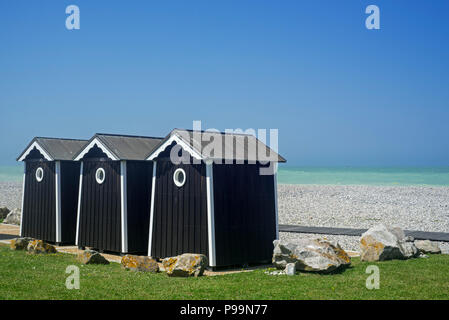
338	93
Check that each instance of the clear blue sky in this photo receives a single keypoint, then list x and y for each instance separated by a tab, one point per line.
338	93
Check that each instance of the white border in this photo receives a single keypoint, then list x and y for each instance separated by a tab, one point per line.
58	199
124	207
96	175
100	145
38	147
210	213
79	204
275	179
178	140
153	191
39	169
23	197
175	175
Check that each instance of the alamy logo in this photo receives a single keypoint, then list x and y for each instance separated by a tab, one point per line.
73	20
373	20
373	281
234	146
73	280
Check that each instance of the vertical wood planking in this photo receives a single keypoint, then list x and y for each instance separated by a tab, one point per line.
180	213
100	225
38	212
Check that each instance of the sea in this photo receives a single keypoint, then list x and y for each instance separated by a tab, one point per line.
381	176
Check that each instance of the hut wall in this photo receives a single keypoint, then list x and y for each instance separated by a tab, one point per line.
39	208
70	173
139	175
245	218
180	213
100	225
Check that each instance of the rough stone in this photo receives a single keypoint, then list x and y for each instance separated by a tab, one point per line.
185	265
139	263
20	243
381	243
39	246
314	255
4	212
427	246
91	257
13	217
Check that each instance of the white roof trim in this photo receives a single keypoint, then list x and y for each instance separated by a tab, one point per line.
38	147
100	145
178	140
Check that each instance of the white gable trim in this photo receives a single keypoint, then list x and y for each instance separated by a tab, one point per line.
38	147
100	145
178	140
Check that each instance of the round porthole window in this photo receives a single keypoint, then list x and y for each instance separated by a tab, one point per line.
100	175
39	174
179	177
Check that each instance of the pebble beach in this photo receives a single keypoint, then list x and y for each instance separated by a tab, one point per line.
424	208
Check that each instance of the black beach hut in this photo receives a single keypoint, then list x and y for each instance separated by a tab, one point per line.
114	193
221	203
50	189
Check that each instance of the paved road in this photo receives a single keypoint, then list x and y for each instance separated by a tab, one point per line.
7	236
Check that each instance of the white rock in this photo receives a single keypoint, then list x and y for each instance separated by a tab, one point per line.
13	217
427	246
310	255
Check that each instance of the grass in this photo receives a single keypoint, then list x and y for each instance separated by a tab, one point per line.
24	276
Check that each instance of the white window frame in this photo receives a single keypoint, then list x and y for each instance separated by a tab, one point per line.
39	179
175	177
99	181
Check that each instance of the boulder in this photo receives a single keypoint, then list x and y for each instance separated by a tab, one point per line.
381	243
427	246
4	212
139	263
13	217
19	243
185	265
91	257
408	249
39	246
310	255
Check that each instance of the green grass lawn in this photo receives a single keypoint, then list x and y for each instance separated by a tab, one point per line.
24	276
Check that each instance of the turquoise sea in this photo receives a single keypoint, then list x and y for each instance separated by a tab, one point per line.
11	173
394	176
381	176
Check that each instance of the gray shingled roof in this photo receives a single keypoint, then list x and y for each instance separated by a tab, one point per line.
248	145
58	149
128	147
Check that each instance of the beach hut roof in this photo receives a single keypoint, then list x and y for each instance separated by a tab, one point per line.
53	148
236	146
121	147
